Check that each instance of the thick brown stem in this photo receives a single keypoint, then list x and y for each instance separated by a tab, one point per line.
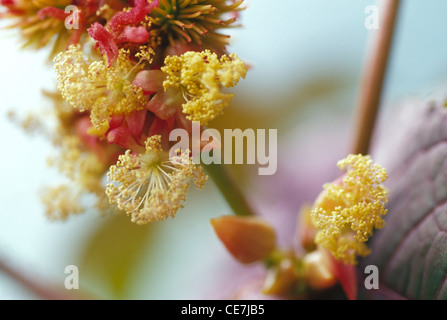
373	78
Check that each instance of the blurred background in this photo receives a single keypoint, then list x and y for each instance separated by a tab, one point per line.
306	59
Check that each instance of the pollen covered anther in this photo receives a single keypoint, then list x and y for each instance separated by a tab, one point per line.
151	186
99	88
348	210
201	76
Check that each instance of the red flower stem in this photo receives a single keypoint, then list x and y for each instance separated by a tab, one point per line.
229	189
373	78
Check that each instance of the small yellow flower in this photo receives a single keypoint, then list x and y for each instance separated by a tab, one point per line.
61	202
348	210
103	90
84	171
151	187
201	77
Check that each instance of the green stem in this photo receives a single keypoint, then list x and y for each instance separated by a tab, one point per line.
229	189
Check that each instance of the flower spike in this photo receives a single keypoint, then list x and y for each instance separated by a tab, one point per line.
348	210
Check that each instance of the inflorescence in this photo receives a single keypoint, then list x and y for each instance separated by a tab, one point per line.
349	209
130	72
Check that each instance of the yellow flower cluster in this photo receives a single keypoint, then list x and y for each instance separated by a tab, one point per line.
201	77
152	187
347	211
132	36
84	171
103	90
61	202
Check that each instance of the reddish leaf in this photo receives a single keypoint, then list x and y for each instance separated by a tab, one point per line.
411	250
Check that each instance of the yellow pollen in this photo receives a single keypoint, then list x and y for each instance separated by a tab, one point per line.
347	212
152	187
98	88
201	76
84	172
61	202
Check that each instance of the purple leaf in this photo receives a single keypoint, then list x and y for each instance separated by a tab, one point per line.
411	250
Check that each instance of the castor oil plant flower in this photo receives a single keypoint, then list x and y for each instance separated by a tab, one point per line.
349	209
151	186
192	84
99	88
194	21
